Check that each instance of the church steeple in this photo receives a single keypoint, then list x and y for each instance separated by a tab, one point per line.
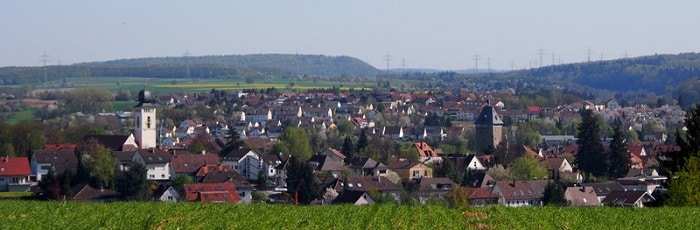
145	120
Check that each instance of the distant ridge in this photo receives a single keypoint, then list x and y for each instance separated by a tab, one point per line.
223	66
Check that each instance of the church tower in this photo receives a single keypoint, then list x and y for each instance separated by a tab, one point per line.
489	129
145	120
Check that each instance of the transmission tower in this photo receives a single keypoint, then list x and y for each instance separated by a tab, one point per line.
44	60
476	62
388	59
187	63
588	52
540	52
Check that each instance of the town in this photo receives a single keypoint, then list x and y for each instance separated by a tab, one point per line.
326	147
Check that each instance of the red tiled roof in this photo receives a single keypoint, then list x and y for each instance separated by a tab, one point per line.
212	192
14	166
424	150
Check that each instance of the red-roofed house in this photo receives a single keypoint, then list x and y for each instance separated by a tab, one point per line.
14	174
212	192
426	153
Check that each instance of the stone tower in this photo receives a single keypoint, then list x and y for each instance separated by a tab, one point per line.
489	129
145	120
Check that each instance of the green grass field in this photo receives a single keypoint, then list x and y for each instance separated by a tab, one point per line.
16	214
22	116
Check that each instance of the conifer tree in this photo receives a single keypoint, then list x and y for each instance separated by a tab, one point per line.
619	158
591	158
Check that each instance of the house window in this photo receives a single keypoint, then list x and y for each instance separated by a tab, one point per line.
151	176
45	167
148	122
170	198
416	173
241	194
15	180
382	171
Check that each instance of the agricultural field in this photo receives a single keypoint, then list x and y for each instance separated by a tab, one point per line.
15	214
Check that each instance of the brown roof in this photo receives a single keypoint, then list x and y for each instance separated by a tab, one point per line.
327	163
581	196
124	157
516	190
154	156
368	183
424	150
626	198
59	159
86	192
190	163
435	184
112	142
554	163
60	146
481	193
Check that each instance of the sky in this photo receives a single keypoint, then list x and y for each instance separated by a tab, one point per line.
446	35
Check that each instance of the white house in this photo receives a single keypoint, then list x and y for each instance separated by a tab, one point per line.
170	195
157	163
14	174
246	161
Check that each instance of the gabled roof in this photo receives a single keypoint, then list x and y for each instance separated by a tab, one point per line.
488	116
481	193
403	164
581	196
605	188
190	163
351	197
238	154
367	183
86	192
14	166
124	157
365	163
326	163
436	184
626	198
59	159
112	142
511	190
154	156
424	150
554	163
212	192
479	179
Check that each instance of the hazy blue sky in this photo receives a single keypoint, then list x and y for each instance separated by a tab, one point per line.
419	34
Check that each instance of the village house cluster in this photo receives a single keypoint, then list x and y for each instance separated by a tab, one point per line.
262	118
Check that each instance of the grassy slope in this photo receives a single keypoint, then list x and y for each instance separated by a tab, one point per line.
122	215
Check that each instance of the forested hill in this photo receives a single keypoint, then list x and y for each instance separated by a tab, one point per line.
198	67
659	74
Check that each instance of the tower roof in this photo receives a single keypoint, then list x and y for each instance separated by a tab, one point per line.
488	116
144	97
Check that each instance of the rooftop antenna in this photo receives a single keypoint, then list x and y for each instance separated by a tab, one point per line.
388	59
476	62
44	60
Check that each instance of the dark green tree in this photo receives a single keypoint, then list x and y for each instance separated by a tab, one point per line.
591	159
619	158
301	180
349	147
132	184
554	194
689	142
363	141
